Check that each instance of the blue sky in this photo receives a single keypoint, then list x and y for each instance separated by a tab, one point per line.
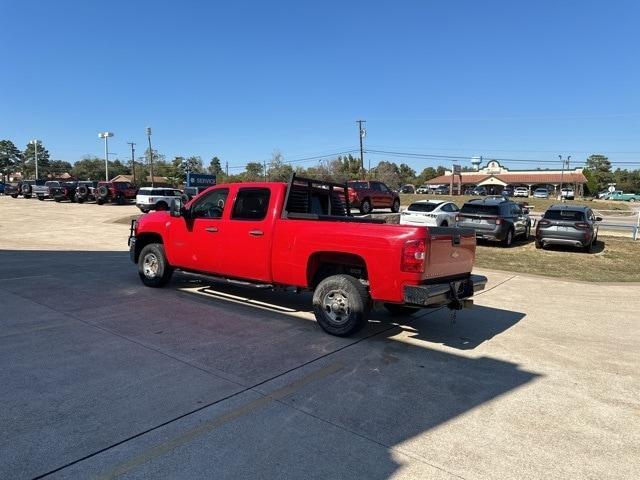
506	79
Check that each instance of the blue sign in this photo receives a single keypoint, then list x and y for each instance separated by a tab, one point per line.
200	180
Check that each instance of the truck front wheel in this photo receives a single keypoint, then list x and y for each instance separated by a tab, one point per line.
341	305
153	268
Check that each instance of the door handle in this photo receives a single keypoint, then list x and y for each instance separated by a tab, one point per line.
211	229
256	233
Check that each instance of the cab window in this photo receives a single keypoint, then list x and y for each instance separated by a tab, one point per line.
251	204
211	205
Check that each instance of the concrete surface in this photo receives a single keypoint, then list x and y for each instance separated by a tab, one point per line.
104	378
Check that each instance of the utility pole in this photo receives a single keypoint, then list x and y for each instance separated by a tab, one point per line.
562	174
226	167
133	161
264	165
35	152
361	133
150	156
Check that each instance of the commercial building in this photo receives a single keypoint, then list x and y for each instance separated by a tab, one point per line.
494	177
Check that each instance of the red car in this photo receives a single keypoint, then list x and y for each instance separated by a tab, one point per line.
367	195
302	235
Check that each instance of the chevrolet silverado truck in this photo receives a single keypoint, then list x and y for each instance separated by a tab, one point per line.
301	234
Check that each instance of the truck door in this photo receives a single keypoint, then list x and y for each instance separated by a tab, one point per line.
246	240
196	239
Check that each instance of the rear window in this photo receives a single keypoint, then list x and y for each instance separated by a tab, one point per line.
570	215
422	207
251	204
479	209
359	184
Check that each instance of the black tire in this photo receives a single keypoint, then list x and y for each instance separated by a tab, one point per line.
587	248
26	190
396	310
395	208
539	244
26	196
508	239
443	224
341	305
57	200
103	191
14	195
100	201
162	206
41	198
83	191
153	267
365	206
80	199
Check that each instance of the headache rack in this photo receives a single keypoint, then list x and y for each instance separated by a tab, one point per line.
312	199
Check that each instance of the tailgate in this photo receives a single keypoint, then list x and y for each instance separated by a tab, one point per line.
450	251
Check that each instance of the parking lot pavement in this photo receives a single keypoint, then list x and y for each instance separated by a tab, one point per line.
105	378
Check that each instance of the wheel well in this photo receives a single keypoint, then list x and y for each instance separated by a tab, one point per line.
145	239
325	264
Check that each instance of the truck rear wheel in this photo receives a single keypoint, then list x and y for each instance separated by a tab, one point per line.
365	206
153	267
341	305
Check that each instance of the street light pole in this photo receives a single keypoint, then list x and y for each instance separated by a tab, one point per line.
150	155
133	161
106	136
35	142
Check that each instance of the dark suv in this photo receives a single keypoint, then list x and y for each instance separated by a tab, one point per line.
495	218
572	225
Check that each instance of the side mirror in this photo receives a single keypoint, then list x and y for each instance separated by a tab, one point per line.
176	207
598	219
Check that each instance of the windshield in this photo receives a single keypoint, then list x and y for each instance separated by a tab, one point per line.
569	215
359	184
422	207
479	209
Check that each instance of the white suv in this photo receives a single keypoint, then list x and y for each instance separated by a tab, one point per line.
521	192
158	198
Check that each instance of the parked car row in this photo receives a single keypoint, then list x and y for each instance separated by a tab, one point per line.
500	219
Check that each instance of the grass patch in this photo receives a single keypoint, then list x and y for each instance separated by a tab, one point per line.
540	204
612	260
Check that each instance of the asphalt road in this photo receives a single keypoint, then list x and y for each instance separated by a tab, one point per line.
104	378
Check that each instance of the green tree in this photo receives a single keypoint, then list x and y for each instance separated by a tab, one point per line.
591	187
278	170
10	158
254	172
59	167
215	168
28	166
427	174
89	168
600	168
407	174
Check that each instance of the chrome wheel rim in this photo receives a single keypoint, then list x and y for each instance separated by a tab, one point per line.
336	306
150	265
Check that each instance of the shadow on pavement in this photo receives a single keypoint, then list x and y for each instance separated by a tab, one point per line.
171	382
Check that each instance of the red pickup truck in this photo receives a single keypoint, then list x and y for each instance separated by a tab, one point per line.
301	234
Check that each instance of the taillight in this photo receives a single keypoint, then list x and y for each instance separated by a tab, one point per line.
352	193
544	223
498	221
581	225
413	255
457	218
66	191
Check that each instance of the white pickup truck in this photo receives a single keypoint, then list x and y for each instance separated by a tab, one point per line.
42	191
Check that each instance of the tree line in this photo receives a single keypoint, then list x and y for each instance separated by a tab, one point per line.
598	169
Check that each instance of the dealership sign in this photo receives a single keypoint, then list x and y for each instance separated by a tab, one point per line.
200	180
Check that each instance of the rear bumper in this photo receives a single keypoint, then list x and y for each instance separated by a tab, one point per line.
446	293
572	242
